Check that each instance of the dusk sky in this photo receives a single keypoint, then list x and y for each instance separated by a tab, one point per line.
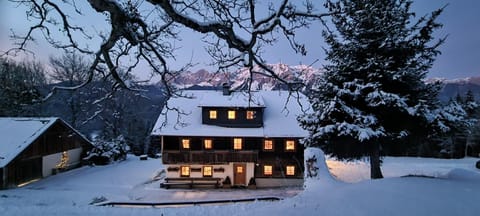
460	54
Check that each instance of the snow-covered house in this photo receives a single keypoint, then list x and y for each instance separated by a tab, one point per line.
32	148
249	138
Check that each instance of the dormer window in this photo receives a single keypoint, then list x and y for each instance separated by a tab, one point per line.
185	143
250	114
213	114
237	144
231	114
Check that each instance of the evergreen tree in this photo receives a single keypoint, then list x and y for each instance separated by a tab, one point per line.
373	89
459	98
470	105
19	87
472	109
451	126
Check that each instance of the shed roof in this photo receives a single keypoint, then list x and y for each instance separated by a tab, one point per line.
18	133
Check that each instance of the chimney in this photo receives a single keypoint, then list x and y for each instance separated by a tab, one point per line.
226	89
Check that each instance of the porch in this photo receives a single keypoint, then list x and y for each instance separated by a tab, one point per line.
208	157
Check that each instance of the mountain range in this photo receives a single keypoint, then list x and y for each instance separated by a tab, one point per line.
203	79
262	80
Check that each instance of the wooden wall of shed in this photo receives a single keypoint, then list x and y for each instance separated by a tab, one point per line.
57	138
28	164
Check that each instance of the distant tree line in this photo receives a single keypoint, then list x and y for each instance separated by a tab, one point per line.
456	134
20	86
460	136
101	112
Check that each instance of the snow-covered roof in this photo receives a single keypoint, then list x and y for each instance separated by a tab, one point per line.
183	117
235	99
18	133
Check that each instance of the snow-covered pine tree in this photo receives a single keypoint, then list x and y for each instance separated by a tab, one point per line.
19	87
373	89
472	108
470	105
451	125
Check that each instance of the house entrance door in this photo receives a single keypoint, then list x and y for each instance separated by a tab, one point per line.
239	174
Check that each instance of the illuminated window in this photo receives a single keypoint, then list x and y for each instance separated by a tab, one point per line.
290	170
231	114
207	171
207	144
185	144
290	145
268	144
237	143
213	114
185	171
268	170
239	169
250	114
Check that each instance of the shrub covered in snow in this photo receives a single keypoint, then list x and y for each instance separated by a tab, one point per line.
105	151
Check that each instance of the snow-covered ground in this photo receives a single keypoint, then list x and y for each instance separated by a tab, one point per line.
455	190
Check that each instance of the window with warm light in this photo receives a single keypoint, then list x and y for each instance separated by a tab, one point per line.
290	170
268	145
185	171
237	143
290	145
185	143
231	114
268	170
207	171
213	114
207	144
250	114
239	170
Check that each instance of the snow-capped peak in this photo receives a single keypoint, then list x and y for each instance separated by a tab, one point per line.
260	79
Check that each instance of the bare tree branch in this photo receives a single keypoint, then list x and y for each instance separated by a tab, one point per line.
237	32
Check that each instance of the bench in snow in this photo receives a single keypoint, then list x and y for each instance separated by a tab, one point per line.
190	182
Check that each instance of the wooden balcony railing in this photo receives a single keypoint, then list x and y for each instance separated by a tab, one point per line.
208	157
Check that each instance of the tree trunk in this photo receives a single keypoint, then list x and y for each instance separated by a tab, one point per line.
375	170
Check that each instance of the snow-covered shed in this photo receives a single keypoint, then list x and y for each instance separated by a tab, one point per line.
32	148
248	138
